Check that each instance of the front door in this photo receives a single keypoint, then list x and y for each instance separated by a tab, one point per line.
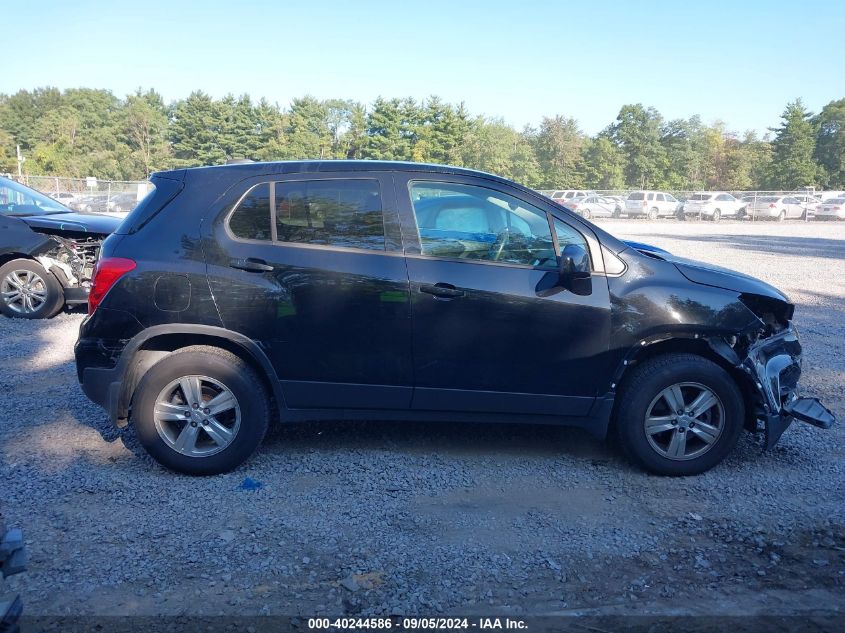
311	267
492	330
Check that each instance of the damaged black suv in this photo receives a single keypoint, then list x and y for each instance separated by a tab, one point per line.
47	252
240	295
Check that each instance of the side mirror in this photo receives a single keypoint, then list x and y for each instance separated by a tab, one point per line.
574	270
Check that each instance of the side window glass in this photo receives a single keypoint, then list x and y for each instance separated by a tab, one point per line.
343	213
459	221
251	219
660	197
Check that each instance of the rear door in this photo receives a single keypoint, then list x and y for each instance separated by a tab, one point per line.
492	332
311	267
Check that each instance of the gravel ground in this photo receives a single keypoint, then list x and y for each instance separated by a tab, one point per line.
377	518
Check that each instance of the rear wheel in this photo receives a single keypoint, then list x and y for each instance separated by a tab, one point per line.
782	216
679	414
653	213
717	215
29	291
586	214
201	411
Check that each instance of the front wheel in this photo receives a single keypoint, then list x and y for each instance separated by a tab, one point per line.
29	291
200	411
679	414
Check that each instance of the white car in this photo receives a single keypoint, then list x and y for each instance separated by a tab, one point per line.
562	196
652	204
713	205
64	197
776	208
832	209
594	207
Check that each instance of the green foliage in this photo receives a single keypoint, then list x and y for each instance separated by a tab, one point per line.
830	143
793	148
84	132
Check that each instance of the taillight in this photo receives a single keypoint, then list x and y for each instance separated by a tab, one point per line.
773	206
107	271
573	205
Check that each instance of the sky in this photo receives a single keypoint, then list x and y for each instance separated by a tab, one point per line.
520	60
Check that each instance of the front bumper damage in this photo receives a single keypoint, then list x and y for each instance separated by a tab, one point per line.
774	366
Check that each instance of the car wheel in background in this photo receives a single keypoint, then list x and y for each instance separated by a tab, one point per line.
617	213
586	214
653	213
782	215
679	414
717	215
29	291
200	411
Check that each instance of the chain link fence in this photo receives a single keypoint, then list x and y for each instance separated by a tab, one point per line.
90	194
800	204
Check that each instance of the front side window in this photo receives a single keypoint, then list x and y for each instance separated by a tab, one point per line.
458	221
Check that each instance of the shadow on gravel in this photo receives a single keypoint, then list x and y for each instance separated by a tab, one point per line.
772	245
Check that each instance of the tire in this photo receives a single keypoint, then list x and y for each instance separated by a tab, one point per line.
617	213
653	213
717	215
782	216
240	427
38	285
586	214
641	395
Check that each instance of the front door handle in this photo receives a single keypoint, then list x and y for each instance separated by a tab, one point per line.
442	291
251	264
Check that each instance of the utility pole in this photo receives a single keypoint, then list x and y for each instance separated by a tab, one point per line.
21	159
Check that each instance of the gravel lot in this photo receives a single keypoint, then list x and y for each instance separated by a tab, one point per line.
377	518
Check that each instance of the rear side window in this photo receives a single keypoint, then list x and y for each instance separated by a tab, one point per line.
637	195
344	213
251	220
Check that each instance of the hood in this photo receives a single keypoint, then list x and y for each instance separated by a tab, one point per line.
711	275
75	222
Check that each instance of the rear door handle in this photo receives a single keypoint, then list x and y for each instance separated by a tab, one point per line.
251	264
442	291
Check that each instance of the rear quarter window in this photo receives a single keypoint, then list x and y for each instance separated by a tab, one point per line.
163	191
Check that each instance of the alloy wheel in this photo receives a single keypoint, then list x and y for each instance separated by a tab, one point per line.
23	291
684	421
197	416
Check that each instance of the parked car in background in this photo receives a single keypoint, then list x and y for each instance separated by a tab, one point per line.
122	202
238	295
809	202
563	195
775	208
712	205
93	203
47	252
651	204
833	209
594	207
65	197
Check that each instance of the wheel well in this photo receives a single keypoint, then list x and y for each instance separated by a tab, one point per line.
7	257
156	347
699	347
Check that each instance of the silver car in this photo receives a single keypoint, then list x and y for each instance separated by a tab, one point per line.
776	208
594	207
833	209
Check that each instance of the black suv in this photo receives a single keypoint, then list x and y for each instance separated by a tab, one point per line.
237	295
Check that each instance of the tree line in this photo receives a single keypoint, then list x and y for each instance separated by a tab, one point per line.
90	132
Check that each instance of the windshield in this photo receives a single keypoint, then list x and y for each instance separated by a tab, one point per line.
19	200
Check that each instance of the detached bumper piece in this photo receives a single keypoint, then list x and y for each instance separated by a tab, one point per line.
775	363
12	561
811	411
